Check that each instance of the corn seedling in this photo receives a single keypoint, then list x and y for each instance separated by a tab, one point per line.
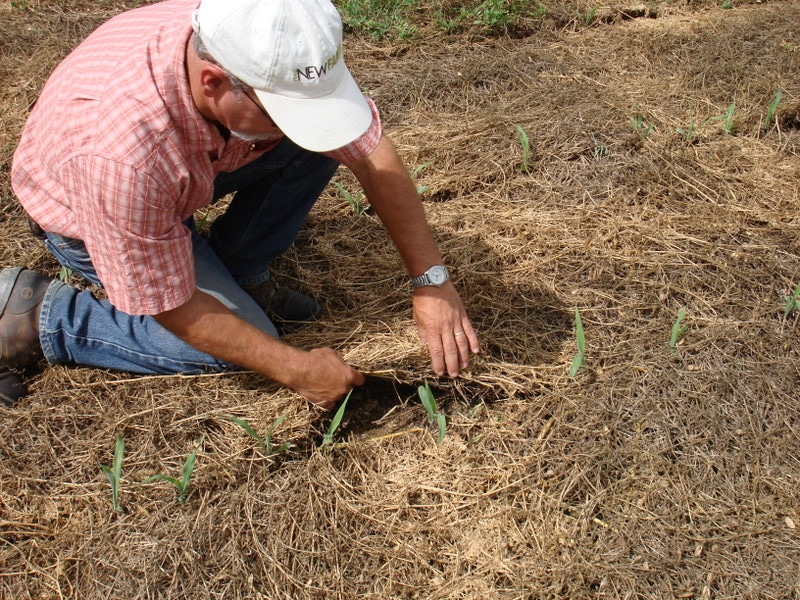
792	301
421	189
264	441
64	273
434	416
182	484
525	143
356	201
580	339
601	150
327	439
678	329
114	472
772	110
640	126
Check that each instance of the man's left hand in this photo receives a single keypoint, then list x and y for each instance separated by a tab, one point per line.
445	328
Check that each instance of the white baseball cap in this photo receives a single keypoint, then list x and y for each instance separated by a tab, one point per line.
290	53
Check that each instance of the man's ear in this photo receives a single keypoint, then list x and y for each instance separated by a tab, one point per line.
213	80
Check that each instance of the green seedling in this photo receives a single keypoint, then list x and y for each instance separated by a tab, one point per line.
327	439
114	472
678	329
792	301
580	339
355	201
434	416
64	273
772	110
640	126
265	441
182	484
601	150
729	127
525	143
421	189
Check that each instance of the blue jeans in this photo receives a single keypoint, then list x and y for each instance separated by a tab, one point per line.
273	197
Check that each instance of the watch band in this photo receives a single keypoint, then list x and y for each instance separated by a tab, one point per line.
436	276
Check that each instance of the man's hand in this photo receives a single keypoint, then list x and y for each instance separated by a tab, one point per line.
325	378
445	328
203	322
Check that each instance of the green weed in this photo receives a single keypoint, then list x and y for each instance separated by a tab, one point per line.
792	301
379	18
678	329
580	339
525	143
327	439
264	441
114	472
434	416
182	484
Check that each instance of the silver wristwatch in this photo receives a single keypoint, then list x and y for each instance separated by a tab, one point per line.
435	276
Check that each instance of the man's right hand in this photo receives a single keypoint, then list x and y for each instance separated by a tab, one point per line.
203	322
326	378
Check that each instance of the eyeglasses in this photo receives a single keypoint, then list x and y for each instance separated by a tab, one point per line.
260	108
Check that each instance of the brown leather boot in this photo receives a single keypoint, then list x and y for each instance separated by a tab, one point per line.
21	293
11	387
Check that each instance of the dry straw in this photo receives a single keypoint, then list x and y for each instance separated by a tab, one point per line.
655	473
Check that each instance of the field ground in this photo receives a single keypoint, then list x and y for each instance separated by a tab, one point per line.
658	178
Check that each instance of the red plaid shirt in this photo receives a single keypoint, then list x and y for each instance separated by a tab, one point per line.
116	154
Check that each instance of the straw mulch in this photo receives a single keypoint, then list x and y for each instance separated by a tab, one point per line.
656	472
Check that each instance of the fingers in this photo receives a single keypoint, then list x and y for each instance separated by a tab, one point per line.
451	350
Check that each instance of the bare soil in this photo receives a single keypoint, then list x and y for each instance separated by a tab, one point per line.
656	472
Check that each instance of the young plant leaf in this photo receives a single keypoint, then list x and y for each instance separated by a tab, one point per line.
791	301
525	143
114	473
580	340
327	439
428	400
182	484
677	328
441	423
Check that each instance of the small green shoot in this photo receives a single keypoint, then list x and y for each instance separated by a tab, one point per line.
114	472
729	127
678	329
327	439
792	301
434	416
772	110
580	339
640	126
525	143
726	4
64	273
182	484
356	201
421	189
264	441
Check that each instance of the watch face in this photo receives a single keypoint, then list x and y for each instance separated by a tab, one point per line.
437	275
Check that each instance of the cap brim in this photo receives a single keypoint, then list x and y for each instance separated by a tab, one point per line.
321	124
